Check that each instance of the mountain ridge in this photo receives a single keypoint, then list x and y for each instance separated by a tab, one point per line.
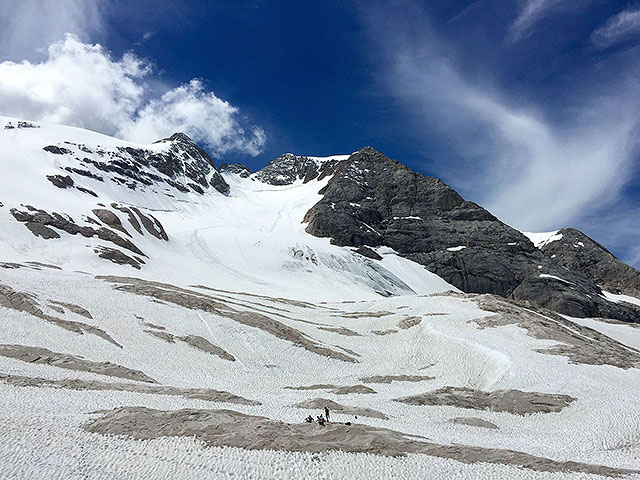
364	199
144	309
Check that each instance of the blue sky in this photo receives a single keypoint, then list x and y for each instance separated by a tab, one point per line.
528	107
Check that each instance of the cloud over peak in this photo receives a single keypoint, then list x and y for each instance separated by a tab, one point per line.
535	170
81	84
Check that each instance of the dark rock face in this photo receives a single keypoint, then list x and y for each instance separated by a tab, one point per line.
373	200
57	150
61	181
40	230
288	168
578	252
186	156
367	252
236	168
182	165
36	219
131	217
109	218
116	256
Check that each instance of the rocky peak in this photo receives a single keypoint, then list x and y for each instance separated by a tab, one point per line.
288	168
377	200
236	168
577	252
191	160
372	200
179	163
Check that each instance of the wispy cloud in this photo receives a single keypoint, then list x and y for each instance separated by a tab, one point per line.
146	36
81	84
532	12
533	172
620	27
28	27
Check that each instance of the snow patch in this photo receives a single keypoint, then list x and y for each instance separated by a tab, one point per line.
553	277
541	239
617	298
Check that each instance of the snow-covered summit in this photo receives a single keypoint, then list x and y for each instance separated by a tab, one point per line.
163	208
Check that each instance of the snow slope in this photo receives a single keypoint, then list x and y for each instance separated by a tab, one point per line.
240	240
241	300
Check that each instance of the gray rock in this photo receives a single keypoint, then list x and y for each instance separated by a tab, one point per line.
341	331
67	224
207	394
321	403
43	356
473	422
372	200
578	343
26	302
109	218
182	165
511	401
198	301
579	253
57	150
233	429
367	252
236	168
409	322
288	168
42	231
336	389
152	225
395	378
116	256
72	307
61	181
198	163
206	346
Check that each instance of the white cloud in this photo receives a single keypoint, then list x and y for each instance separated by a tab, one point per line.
198	113
81	84
534	173
620	27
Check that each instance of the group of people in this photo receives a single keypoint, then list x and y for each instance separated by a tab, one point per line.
320	418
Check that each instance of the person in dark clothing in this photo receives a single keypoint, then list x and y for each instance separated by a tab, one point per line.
309	419
326	413
321	420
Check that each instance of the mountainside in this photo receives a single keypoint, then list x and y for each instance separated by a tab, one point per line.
373	200
572	249
163	318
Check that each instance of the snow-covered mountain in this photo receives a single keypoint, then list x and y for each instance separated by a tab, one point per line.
165	318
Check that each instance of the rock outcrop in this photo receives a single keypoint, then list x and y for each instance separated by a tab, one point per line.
236	168
288	168
373	200
182	165
579	253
